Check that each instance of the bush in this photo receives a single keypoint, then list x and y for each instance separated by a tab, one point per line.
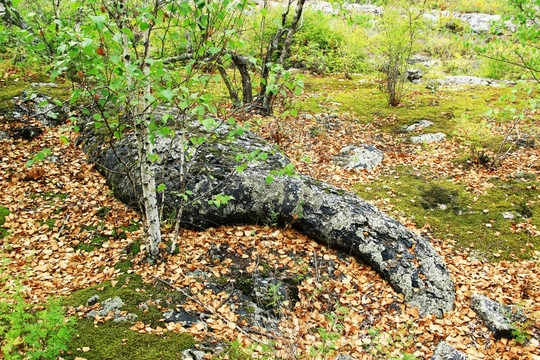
397	41
29	333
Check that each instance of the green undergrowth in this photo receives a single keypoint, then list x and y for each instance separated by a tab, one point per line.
3	213
110	340
454	212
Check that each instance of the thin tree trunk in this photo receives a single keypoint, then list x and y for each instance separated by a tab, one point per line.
242	65
268	95
144	144
228	83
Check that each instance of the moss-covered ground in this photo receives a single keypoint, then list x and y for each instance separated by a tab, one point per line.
450	211
111	340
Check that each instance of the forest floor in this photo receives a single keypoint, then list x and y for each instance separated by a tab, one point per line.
63	231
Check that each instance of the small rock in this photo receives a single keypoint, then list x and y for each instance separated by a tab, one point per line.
344	357
191	354
508	215
111	305
93	300
428	138
181	317
418	125
359	156
53	85
415	74
443	351
499	318
4	135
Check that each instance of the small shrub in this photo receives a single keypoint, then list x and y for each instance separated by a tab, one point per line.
29	333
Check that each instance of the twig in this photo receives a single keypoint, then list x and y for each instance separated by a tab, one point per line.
63	225
315	260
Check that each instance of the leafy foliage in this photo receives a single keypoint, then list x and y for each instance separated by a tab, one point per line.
29	333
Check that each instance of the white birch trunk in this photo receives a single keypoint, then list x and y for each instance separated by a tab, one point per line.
144	145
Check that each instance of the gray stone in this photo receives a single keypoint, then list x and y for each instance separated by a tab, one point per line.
93	300
331	216
418	125
112	305
345	357
499	319
191	354
359	156
413	75
443	351
180	316
428	138
52	85
468	80
4	135
508	215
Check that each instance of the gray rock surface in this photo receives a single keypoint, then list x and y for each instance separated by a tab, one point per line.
191	354
443	351
359	156
498	318
93	300
329	215
180	316
428	138
418	125
468	80
111	306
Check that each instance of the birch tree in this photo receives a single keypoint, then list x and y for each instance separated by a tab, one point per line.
118	56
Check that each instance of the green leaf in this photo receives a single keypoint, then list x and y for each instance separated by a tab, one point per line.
64	140
98	20
161	187
153	157
167	94
269	179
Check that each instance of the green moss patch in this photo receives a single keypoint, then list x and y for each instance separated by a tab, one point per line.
8	92
133	292
111	340
3	213
116	342
491	223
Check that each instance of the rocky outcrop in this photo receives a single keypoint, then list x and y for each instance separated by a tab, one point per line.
500	319
331	216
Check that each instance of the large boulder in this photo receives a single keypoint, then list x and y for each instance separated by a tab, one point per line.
331	216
